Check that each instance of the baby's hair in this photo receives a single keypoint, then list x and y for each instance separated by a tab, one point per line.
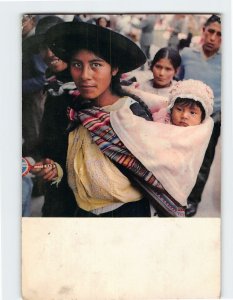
191	103
169	53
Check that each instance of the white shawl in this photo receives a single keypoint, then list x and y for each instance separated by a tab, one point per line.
173	154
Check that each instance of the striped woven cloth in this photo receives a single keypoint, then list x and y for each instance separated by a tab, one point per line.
97	121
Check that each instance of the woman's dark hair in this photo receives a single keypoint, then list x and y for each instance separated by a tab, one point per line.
190	103
212	19
169	53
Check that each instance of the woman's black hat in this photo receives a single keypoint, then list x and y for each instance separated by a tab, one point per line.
119	51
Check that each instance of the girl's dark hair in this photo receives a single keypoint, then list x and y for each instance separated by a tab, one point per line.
169	53
191	103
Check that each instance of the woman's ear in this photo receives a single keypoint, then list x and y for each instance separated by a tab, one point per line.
115	71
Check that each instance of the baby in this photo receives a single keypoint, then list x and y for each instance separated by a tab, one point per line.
171	148
190	102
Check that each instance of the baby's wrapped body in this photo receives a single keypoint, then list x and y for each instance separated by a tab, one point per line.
172	153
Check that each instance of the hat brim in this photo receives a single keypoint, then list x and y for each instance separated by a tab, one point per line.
65	38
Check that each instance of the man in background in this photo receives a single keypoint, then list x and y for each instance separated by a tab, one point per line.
204	63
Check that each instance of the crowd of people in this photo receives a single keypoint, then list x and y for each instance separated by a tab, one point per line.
106	143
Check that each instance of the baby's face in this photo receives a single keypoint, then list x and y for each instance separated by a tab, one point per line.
185	115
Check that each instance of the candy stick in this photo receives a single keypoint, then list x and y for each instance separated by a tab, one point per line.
27	167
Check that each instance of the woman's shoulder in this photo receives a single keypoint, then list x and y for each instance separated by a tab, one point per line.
152	100
146	86
138	107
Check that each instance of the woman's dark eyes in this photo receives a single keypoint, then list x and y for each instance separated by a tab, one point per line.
79	65
166	69
96	65
76	65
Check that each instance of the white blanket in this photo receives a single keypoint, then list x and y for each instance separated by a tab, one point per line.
173	154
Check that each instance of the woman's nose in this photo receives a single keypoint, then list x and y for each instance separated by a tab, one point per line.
86	72
162	72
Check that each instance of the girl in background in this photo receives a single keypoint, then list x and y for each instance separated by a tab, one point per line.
164	67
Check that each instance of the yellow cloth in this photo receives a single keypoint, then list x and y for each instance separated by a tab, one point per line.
58	179
96	182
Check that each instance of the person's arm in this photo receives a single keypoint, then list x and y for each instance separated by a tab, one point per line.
33	85
53	139
35	82
153	101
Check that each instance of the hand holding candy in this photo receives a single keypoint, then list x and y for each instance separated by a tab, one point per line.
49	165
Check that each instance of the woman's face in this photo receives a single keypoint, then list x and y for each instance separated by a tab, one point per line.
163	72
91	74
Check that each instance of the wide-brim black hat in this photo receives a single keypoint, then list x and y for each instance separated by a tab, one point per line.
34	42
119	51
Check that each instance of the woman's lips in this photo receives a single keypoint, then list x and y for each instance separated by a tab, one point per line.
86	87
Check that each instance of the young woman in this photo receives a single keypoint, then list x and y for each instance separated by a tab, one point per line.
164	66
97	57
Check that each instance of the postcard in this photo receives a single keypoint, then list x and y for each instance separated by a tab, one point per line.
73	54
122	194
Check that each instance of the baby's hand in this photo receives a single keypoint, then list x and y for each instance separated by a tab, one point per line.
46	169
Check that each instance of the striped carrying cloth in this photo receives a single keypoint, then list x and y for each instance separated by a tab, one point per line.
97	121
